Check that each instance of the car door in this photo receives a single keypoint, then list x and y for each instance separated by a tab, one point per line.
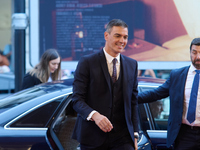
30	130
63	125
154	120
62	129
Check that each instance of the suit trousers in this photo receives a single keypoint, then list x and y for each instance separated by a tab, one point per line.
114	141
188	138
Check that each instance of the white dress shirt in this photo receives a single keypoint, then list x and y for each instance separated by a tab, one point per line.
109	60
188	87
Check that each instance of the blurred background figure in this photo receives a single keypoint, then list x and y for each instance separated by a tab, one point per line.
47	70
66	74
7	51
156	109
4	63
147	73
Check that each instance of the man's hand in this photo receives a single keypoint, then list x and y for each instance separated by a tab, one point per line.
136	145
102	122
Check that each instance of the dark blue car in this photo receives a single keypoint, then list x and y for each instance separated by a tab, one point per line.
42	118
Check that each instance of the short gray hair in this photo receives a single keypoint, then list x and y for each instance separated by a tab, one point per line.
115	22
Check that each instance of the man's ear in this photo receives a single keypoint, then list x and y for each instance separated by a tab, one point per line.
106	35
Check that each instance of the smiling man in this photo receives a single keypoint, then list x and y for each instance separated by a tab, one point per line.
105	95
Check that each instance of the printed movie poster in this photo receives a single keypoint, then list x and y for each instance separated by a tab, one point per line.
158	30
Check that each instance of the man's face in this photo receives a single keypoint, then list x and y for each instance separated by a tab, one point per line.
157	108
195	56
116	40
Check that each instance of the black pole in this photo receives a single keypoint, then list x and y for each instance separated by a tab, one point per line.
19	47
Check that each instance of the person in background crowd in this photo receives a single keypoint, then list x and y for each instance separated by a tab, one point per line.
182	87
4	63
147	73
3	60
156	109
8	51
105	95
47	70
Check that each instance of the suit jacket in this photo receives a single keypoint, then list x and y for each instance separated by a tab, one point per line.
92	91
30	81
173	87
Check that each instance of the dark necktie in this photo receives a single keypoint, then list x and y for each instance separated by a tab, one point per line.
114	74
193	98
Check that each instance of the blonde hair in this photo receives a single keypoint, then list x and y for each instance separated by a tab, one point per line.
41	70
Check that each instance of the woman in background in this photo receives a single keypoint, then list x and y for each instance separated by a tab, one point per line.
4	63
47	70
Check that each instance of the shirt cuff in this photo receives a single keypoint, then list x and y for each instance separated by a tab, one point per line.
90	115
136	135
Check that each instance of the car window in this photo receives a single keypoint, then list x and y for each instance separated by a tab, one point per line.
31	93
144	118
39	117
158	111
20	98
64	126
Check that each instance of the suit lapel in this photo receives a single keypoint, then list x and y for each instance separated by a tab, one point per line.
124	74
104	66
183	77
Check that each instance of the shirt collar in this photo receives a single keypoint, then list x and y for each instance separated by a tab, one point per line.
192	68
109	58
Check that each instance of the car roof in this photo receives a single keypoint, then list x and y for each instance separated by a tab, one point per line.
149	81
62	87
141	80
67	83
60	84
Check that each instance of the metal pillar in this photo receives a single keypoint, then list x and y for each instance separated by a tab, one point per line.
19	46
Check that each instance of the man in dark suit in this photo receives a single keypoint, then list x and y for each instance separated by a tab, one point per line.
105	95
183	131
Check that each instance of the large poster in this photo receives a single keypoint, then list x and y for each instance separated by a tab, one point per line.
159	31
77	27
